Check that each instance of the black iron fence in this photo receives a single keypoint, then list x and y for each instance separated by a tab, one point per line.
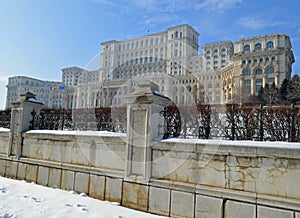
233	122
5	118
96	119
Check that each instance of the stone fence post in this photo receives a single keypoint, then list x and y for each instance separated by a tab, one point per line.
144	123
20	121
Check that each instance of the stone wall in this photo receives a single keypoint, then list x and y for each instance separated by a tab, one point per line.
189	178
4	138
87	148
227	178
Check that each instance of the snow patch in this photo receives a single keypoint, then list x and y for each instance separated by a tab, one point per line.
22	199
264	144
4	129
78	133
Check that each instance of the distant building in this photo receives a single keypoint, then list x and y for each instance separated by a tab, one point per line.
50	93
256	62
225	72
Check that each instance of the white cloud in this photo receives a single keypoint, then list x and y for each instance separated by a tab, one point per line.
153	12
217	5
259	22
105	2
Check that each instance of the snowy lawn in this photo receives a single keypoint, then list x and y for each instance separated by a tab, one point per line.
22	199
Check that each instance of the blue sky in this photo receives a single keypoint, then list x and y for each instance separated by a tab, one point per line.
38	38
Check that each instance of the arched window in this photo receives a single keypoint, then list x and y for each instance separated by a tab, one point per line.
257	46
258	71
247	48
223	49
246	72
270	70
270	44
216	51
208	52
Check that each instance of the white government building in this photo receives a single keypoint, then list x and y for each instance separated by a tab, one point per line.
225	72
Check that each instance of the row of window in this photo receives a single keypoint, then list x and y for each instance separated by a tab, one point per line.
258	81
140	61
216	51
258	71
216	56
216	62
141	53
140	44
258	46
255	60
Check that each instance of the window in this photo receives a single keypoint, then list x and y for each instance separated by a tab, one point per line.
208	52
223	49
259	81
255	61
216	56
247	81
258	88
216	51
215	62
257	46
243	62
223	55
270	44
247	48
267	59
223	61
176	34
208	58
249	61
270	70
271	80
209	86
247	72
261	60
258	71
273	59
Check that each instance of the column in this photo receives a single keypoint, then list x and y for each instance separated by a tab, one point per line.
20	121
143	120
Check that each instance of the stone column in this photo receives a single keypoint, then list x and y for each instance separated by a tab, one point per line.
20	121
143	121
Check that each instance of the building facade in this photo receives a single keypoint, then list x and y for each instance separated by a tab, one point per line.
257	61
51	93
225	72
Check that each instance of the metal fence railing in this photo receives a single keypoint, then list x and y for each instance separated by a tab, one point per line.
232	122
235	122
5	118
97	119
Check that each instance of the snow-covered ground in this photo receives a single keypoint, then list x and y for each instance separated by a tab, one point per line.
22	199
